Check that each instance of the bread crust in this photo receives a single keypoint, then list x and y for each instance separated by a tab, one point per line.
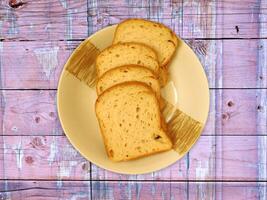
131	83
165	63
129	43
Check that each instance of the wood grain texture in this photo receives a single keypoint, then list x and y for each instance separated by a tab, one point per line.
42	157
43	20
228	63
181	191
58	160
52	190
45	190
66	20
236	112
229	38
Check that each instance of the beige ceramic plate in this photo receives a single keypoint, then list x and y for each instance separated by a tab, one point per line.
188	90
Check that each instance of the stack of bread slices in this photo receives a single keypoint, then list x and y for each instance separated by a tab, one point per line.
130	74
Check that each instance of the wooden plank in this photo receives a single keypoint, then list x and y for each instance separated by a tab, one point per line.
155	190
139	190
34	113
236	158
74	190
261	102
222	19
233	190
43	20
61	20
25	156
237	115
228	64
27	65
45	190
189	19
30	113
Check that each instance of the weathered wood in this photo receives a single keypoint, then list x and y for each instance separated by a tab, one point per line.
53	190
237	155
61	20
155	190
34	113
27	65
45	190
34	65
43	20
42	157
57	159
30	113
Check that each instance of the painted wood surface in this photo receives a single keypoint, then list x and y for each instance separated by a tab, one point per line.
31	112
37	65
80	190
238	157
228	162
64	20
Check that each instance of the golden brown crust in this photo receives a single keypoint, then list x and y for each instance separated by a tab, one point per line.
120	67
161	25
129	43
131	83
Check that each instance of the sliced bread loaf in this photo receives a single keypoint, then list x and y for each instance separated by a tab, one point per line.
125	74
153	34
130	122
126	54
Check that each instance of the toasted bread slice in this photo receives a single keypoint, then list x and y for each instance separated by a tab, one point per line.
125	74
130	122
126	54
153	34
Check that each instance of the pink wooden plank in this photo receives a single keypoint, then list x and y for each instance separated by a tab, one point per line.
190	19
104	13
239	64
24	157
34	113
238	155
222	19
52	190
33	64
228	63
139	190
226	190
30	113
54	20
45	190
43	20
233	158
239	20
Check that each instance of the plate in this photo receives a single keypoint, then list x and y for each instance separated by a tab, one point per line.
188	90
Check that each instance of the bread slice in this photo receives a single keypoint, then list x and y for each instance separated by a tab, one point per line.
153	34
126	54
130	122
125	74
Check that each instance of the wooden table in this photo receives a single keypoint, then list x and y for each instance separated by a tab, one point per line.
228	162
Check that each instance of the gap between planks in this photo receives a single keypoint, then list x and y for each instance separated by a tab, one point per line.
139	181
183	38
